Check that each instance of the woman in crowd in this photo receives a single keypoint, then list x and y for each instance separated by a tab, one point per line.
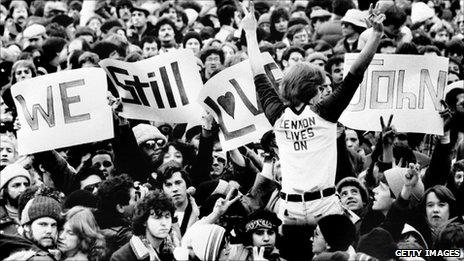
80	239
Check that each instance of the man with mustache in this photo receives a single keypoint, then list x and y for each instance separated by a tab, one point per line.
39	219
17	16
14	181
165	30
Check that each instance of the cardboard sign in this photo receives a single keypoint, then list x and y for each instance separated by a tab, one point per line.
231	97
163	88
408	86
62	109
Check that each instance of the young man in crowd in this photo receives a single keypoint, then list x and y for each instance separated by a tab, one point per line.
13	182
174	182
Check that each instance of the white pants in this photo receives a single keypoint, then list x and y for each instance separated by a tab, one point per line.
309	212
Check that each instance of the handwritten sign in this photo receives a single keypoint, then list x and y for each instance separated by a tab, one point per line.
62	109
231	97
162	88
408	86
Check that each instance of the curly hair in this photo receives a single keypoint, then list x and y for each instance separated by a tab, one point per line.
83	224
156	201
113	192
187	151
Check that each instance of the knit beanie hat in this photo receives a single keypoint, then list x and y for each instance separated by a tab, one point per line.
317	56
264	18
192	132
41	206
144	132
338	231
12	171
378	243
205	241
82	198
420	12
396	177
352	181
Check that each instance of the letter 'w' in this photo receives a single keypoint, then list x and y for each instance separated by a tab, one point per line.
32	120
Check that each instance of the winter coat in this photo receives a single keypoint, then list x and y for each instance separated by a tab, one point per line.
136	250
7	224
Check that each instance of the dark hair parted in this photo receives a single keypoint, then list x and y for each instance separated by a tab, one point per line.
301	83
169	171
113	192
156	201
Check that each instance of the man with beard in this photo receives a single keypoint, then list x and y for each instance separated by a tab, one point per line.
140	27
165	30
14	181
18	12
39	219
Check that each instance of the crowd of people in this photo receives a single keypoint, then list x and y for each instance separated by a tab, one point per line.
162	192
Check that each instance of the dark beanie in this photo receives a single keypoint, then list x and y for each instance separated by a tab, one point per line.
451	97
377	243
62	20
338	231
82	198
192	132
41	206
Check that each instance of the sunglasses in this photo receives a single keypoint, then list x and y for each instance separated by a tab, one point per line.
219	159
154	144
105	164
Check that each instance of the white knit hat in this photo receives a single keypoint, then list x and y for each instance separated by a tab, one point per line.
144	132
205	240
12	171
356	17
420	12
396	178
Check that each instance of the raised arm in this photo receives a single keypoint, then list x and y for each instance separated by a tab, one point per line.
333	106
367	53
267	95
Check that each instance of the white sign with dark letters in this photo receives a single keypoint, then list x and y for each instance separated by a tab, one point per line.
408	86
62	109
231	97
162	88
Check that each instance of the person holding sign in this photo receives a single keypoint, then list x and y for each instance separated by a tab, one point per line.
306	127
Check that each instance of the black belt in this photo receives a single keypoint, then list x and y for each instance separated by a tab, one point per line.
308	196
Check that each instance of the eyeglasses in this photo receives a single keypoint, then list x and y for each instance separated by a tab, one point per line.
219	159
154	144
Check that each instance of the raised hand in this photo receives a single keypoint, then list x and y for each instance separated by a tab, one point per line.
375	19
249	23
388	131
412	176
447	115
258	254
222	205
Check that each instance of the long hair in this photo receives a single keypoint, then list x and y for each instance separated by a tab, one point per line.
22	63
301	83
84	225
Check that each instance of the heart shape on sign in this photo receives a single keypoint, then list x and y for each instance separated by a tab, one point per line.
227	102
